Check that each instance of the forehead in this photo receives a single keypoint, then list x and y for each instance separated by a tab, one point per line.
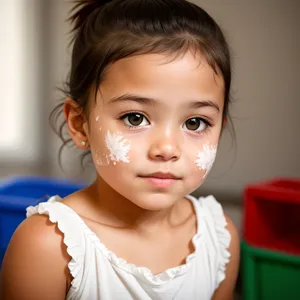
185	77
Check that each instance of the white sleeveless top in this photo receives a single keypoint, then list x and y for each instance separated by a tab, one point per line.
99	274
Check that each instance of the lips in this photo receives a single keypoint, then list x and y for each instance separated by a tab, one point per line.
161	175
160	180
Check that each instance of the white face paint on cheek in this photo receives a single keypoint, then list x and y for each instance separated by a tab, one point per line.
101	159
118	147
206	157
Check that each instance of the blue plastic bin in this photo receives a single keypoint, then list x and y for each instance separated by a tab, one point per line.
17	193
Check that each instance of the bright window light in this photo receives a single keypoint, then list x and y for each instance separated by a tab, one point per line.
18	134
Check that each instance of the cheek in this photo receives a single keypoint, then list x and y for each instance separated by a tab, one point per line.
118	158
206	157
118	147
200	161
110	148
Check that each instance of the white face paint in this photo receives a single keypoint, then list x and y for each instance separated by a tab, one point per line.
101	159
206	158
118	147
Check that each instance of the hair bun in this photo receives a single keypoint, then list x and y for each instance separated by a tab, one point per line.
82	10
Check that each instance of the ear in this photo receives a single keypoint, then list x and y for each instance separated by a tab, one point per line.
76	122
225	121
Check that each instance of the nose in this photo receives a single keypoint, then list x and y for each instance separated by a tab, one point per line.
164	148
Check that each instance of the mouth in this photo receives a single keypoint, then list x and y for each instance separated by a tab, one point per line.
160	179
161	175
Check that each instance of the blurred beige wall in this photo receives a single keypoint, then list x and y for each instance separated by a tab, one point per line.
265	42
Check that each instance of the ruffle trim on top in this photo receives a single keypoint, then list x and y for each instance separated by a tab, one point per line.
145	273
75	245
67	225
70	224
223	235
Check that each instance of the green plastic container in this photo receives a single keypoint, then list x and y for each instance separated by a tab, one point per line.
269	275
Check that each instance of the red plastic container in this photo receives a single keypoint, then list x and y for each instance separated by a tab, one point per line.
272	215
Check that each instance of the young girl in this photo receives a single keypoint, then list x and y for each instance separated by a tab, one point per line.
148	96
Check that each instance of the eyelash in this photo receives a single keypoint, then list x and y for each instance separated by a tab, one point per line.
122	117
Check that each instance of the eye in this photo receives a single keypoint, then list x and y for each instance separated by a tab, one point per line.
196	124
135	120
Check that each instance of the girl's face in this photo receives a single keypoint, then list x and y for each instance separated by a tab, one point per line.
155	128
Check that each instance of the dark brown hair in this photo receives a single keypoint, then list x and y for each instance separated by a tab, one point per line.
107	31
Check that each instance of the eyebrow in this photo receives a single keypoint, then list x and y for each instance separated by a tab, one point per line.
152	102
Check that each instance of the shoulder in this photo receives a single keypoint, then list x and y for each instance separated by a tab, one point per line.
227	241
222	223
235	240
36	260
40	234
227	283
234	246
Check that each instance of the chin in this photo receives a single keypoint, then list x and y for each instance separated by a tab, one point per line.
155	201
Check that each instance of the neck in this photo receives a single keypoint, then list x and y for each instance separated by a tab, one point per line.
118	211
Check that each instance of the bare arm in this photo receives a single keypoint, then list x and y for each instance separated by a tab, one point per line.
35	264
226	288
